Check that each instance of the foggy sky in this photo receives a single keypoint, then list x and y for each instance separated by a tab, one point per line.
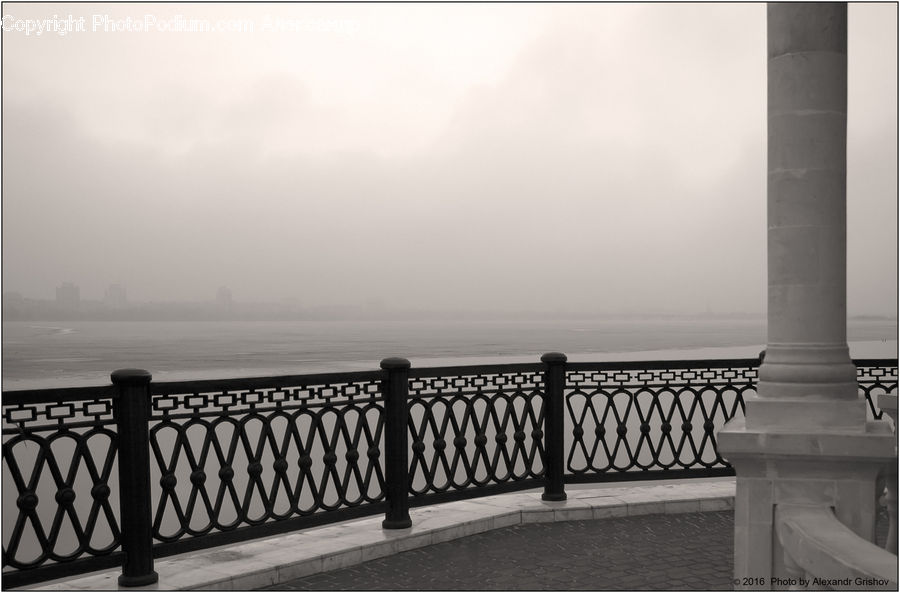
601	158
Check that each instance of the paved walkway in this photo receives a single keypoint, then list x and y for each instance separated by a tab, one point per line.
666	536
691	551
331	550
685	551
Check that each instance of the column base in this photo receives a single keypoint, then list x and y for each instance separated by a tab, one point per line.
775	466
807	370
739	442
806	414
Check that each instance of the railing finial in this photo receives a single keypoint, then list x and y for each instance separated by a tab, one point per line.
554	357
396	442
554	394
132	412
394	363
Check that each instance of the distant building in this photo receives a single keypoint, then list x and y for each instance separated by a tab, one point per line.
68	296
223	298
376	305
12	298
115	297
12	305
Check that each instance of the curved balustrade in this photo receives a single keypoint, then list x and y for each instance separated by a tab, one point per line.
243	458
647	420
242	454
887	402
821	553
826	554
475	427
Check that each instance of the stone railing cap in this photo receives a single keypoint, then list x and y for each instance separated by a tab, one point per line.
554	357
130	376
394	363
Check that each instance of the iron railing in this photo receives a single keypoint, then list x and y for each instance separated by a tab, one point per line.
650	420
60	468
228	460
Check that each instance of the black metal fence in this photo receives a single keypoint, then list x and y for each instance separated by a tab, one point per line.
213	462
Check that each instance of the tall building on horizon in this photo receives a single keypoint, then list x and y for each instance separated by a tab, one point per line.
115	297
223	298
68	295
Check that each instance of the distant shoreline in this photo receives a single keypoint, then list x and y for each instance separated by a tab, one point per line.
858	349
261	313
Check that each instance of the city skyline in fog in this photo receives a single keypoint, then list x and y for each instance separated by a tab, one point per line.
596	158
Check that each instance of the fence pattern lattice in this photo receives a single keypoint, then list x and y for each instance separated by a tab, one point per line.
59	459
243	458
647	419
474	427
874	377
248	454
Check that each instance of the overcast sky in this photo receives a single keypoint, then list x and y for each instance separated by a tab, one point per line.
604	158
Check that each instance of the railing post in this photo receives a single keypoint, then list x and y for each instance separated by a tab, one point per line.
554	386
131	408
887	402
396	442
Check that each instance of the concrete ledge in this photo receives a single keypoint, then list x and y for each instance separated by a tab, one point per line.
263	562
831	553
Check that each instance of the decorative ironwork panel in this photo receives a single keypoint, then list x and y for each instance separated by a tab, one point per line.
470	427
249	453
60	486
662	416
876	376
243	453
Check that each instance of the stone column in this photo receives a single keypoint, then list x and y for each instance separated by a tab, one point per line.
805	439
807	356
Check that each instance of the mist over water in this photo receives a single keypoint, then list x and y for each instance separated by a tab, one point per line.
44	354
570	159
598	158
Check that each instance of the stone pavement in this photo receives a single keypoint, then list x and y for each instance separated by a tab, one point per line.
691	551
682	551
284	558
666	536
